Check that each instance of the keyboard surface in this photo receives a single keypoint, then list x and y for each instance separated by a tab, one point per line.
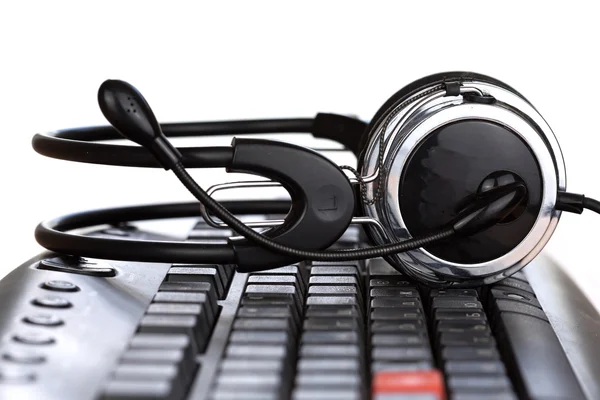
76	328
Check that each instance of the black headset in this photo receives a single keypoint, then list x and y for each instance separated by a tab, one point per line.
460	182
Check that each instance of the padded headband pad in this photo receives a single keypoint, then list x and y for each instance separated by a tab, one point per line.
417	86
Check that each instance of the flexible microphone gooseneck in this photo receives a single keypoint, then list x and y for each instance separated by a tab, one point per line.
130	114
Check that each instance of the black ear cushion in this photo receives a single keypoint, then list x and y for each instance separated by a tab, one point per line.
416	86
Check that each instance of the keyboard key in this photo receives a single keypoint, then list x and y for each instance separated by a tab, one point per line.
331	336
462	326
454	293
456	315
455	302
275	291
257	350
327	394
271	337
272	324
470	353
391	366
409	382
479	382
334	270
184	363
383	339
408	326
332	290
516	284
325	351
466	339
327	324
396	302
197	274
328	311
401	354
148	372
393	314
271	365
324	379
134	390
166	324
395	292
392	281
268	279
515	295
474	367
322	364
268	312
203	327
191	297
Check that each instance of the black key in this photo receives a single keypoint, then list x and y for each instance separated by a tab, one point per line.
332	301
474	367
183	361
329	379
330	350
192	287
270	324
516	284
456	315
329	311
466	339
378	366
331	324
455	302
333	280
317	393
401	354
332	336
396	302
405	339
540	362
334	270
160	341
257	351
253	336
268	312
266	299
248	393
396	292
270	279
134	390
462	326
392	281
335	364
469	353
454	293
332	290
479	382
470	395
379	268
198	274
271	365
394	314
300	272
203	328
249	382
190	297
514	295
143	372
275	290
416	325
165	324
518	307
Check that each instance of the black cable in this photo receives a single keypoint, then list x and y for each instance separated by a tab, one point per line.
591	204
50	234
340	255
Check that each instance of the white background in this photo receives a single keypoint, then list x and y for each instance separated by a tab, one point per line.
258	60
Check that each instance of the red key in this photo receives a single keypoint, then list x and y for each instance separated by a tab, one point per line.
429	382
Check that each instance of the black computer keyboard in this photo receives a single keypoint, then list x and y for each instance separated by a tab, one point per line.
77	328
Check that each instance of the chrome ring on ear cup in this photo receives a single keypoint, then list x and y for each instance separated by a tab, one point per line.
408	126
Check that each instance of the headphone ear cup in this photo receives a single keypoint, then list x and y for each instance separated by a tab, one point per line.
414	87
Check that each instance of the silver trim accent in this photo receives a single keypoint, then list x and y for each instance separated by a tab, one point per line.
414	123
